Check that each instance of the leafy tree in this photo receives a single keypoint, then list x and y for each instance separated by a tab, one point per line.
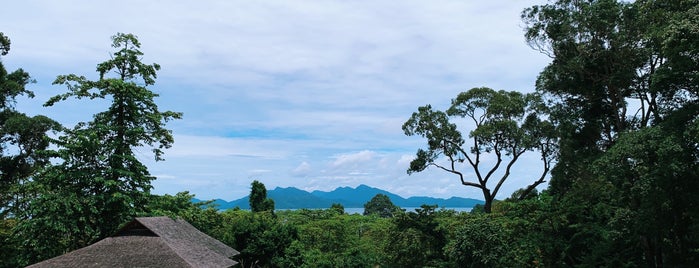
22	138
622	85
380	205
258	198
507	125
338	207
261	239
100	183
617	66
4	44
416	239
647	169
331	239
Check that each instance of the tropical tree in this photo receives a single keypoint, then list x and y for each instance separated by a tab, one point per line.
416	240
258	198
506	125
100	183
262	240
622	87
380	205
22	140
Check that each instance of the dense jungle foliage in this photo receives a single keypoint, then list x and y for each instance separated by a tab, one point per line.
614	118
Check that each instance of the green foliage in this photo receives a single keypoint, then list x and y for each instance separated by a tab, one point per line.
416	239
624	182
258	198
22	139
380	205
262	240
4	44
328	238
338	207
9	249
648	169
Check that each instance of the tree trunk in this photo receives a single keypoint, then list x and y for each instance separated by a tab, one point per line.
487	207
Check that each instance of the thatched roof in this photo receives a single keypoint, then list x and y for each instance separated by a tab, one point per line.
150	242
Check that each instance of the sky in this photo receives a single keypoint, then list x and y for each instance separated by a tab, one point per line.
305	94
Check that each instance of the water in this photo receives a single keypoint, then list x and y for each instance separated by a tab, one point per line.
407	209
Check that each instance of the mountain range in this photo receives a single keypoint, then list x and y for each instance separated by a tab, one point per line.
294	198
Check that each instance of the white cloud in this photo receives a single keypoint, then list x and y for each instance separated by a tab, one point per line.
302	169
353	159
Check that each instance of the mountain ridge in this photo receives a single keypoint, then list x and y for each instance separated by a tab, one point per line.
294	198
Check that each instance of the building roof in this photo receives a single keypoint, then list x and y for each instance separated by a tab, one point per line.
150	242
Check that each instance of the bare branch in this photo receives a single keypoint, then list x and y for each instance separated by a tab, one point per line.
515	157
461	176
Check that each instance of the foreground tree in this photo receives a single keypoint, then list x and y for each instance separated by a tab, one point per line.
624	92
507	125
100	182
22	139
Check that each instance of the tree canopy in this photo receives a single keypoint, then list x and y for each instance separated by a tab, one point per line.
99	182
506	125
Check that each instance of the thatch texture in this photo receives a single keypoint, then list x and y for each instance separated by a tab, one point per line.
150	242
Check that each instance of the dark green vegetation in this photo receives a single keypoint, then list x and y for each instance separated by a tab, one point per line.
615	119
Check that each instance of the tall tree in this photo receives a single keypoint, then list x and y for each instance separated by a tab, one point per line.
100	182
623	82
506	125
258	198
616	66
22	139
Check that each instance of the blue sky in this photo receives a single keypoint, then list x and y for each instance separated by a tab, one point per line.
310	94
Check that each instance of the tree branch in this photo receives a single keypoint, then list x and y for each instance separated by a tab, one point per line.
461	176
496	166
515	157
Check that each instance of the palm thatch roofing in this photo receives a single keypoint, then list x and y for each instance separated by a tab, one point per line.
150	242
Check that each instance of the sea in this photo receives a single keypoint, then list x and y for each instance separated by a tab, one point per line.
408	209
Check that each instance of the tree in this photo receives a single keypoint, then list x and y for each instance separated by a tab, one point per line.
4	44
22	138
622	85
617	66
416	239
261	239
100	183
338	207
258	198
507	124
648	169
380	205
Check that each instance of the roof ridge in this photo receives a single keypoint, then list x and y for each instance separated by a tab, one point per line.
192	239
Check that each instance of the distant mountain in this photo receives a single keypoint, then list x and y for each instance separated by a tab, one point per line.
355	197
294	198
